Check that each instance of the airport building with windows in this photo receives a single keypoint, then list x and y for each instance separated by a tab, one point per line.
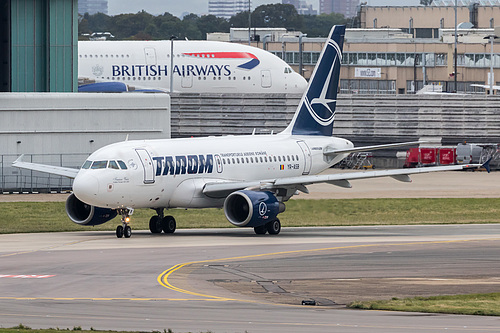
398	50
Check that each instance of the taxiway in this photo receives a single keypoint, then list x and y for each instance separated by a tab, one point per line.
231	280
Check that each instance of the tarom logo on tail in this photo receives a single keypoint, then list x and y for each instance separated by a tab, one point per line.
317	107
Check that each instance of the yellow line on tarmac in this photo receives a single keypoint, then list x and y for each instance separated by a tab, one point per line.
164	276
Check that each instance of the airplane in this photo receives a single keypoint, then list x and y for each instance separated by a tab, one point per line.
198	67
250	176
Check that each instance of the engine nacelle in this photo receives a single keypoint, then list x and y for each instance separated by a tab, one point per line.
252	208
81	213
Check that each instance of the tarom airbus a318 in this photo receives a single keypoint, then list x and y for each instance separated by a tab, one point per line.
250	176
196	67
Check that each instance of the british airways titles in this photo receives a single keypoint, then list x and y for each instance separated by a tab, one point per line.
163	70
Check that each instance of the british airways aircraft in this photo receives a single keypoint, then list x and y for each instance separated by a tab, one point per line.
250	176
198	67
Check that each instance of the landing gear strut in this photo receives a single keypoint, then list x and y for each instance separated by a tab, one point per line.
124	229
159	223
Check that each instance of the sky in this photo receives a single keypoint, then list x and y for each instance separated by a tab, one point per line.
200	7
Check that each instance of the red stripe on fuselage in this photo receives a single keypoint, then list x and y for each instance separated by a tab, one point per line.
222	55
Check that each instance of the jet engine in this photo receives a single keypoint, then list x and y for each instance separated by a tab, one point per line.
81	213
252	208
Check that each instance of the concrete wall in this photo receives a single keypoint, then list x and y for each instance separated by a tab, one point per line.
47	123
64	128
364	119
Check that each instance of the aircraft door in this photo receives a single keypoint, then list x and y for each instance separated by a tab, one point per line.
147	164
265	76
307	157
187	81
150	54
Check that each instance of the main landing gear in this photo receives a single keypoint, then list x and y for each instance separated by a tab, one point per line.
124	229
272	227
159	223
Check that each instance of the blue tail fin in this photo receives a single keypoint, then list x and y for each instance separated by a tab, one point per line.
316	111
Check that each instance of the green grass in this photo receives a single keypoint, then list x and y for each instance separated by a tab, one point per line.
25	329
475	304
20	217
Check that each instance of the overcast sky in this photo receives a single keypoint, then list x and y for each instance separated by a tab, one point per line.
200	7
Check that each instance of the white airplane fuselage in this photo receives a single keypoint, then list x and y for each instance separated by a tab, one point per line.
172	173
198	66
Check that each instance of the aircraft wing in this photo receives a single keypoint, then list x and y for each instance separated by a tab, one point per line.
55	170
222	189
485	86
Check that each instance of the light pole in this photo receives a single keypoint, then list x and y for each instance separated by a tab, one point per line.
456	39
492	75
172	63
301	51
249	22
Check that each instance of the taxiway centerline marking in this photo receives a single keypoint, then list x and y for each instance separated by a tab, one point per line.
164	276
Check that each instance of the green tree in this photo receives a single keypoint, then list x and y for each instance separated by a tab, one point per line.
276	16
320	25
98	22
239	20
211	23
129	25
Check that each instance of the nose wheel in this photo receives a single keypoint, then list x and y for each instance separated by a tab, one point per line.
124	230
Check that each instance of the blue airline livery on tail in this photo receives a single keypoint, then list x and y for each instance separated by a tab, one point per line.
197	67
250	177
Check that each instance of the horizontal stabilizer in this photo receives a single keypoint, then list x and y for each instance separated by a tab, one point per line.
54	170
332	151
402	178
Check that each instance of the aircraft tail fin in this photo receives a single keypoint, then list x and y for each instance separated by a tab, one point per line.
316	111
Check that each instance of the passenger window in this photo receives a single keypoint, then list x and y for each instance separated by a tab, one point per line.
99	165
87	164
122	165
113	165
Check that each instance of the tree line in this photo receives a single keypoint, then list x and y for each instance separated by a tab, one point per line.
144	26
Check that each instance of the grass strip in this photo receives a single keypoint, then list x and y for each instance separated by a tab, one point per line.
25	217
474	304
26	329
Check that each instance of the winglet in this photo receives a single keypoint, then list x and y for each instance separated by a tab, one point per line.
19	159
486	165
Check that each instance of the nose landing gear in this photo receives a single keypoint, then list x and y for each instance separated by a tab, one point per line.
124	229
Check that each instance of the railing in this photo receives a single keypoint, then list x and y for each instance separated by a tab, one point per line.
15	180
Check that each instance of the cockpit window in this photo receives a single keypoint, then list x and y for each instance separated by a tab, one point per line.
113	165
288	70
99	165
87	164
122	165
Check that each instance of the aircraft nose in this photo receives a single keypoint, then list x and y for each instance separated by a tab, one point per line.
86	187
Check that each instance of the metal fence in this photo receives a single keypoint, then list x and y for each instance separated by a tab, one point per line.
14	180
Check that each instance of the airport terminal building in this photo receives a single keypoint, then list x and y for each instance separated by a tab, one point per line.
398	50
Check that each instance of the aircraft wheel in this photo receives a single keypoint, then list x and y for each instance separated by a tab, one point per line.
274	227
127	231
155	224
119	231
168	224
260	230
